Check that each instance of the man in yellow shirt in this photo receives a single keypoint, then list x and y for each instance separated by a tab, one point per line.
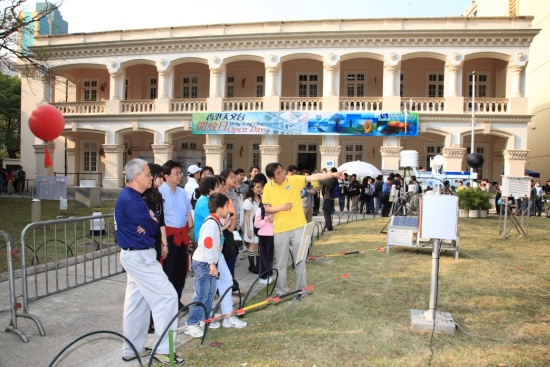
282	197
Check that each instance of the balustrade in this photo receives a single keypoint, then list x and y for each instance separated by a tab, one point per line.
301	104
80	108
253	104
138	106
188	105
361	104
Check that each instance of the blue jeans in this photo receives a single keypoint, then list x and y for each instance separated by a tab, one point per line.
342	202
205	288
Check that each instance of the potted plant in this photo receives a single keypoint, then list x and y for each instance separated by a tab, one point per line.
463	202
484	204
474	203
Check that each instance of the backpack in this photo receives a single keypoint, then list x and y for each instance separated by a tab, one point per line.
336	191
262	216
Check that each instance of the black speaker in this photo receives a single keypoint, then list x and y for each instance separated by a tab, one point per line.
475	160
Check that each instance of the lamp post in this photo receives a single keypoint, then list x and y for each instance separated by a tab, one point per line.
473	119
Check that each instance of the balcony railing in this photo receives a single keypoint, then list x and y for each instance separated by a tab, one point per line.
489	105
138	106
80	108
361	104
188	105
301	104
419	104
250	104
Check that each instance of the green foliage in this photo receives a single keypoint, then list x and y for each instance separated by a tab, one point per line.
10	112
474	199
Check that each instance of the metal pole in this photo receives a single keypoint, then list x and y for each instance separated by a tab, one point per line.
473	119
435	280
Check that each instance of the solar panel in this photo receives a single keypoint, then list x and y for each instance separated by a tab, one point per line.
404	222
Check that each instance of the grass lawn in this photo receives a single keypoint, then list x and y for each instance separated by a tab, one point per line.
15	214
498	292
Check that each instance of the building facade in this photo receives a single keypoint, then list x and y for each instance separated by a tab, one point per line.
50	25
128	94
537	74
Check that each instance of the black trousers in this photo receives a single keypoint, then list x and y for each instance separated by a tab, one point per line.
328	207
316	204
175	266
267	252
386	205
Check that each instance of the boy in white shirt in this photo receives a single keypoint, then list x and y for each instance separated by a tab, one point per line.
205	264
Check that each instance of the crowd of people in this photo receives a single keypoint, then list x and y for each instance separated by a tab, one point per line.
158	221
166	231
13	181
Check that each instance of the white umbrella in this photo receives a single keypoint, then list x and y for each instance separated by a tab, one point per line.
361	169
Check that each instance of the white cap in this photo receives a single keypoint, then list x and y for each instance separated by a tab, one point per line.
192	169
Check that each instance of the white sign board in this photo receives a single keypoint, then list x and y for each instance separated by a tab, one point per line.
439	217
517	187
400	237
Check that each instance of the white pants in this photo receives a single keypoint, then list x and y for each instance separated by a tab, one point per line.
225	281
147	289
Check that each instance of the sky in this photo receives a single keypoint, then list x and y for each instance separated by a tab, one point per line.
109	15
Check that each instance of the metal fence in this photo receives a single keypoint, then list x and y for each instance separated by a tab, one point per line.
63	254
13	305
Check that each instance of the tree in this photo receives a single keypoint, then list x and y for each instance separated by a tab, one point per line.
10	112
15	26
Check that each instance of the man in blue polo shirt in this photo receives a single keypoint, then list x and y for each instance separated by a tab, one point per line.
147	286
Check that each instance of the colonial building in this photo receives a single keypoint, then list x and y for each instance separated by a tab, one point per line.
127	94
537	74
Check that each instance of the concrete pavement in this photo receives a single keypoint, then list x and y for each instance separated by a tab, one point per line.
71	314
92	307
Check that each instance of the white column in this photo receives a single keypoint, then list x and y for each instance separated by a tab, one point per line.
271	99
40	153
391	98
45	90
114	91
114	178
164	76
112	106
271	81
162	153
454	102
514	162
390	73
517	75
162	103
214	149
215	82
454	158
330	153
328	78
71	166
452	81
331	100
390	152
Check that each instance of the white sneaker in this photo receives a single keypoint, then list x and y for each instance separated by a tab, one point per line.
194	331
266	281
234	322
213	325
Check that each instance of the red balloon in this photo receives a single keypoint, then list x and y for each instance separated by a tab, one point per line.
46	122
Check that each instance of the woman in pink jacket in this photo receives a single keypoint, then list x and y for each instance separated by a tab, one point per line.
264	223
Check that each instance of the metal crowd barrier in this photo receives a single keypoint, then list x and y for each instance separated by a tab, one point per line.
13	306
63	254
